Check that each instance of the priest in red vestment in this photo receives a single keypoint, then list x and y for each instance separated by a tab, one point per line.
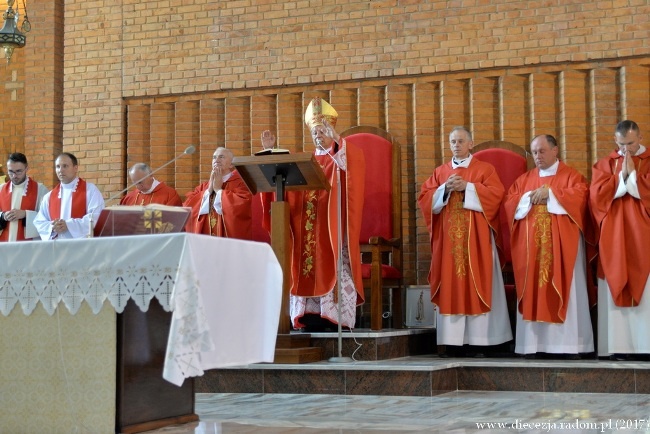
221	206
460	203
620	204
548	215
313	222
20	198
148	189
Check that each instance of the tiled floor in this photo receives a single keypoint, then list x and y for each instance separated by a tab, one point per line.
454	412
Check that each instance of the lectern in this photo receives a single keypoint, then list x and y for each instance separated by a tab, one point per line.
280	173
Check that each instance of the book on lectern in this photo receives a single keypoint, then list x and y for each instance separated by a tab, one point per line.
272	151
140	220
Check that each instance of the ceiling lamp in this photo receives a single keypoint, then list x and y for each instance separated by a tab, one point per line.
10	36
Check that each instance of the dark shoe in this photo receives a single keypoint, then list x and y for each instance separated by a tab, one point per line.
531	356
572	356
619	357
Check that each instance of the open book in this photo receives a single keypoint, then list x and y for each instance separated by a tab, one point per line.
272	151
139	220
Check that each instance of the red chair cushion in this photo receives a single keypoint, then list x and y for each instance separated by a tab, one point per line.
377	219
510	166
387	272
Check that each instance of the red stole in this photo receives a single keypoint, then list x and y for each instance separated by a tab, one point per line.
78	209
28	202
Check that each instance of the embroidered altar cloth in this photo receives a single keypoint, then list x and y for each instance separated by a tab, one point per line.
207	283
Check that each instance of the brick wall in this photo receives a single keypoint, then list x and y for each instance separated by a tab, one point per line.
145	79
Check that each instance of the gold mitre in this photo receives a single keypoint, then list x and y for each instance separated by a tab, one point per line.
317	110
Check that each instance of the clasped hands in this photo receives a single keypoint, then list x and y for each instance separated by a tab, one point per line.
14	214
539	196
455	183
216	179
628	165
59	226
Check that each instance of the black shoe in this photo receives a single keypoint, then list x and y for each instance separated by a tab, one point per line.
531	356
619	357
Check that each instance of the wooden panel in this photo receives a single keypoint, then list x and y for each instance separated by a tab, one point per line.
605	111
544	105
144	399
515	112
484	109
574	136
162	137
188	127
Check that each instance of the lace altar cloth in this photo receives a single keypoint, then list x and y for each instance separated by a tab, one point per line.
208	283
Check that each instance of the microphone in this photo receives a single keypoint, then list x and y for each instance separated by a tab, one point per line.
188	151
319	145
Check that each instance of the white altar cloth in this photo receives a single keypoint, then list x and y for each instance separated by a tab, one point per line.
225	294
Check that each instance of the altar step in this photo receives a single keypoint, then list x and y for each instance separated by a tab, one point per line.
404	362
362	344
430	375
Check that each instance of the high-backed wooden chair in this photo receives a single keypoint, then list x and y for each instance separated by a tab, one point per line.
511	161
381	228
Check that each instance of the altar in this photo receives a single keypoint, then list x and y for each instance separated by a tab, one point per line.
59	306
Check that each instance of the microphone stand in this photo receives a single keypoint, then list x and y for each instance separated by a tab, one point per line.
189	150
339	264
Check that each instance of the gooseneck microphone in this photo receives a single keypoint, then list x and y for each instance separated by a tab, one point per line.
319	145
188	151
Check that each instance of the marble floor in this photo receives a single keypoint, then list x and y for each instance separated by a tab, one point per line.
453	412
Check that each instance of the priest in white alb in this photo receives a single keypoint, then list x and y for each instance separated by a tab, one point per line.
69	210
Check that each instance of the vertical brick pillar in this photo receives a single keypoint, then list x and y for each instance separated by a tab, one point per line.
44	87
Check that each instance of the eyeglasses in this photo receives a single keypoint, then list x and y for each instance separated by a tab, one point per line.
16	172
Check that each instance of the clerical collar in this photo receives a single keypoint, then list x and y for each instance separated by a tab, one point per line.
71	185
460	163
639	152
227	177
153	187
23	185
551	171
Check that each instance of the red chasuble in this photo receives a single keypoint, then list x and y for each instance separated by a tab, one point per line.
545	245
313	222
78	208
624	225
162	194
237	218
461	254
28	202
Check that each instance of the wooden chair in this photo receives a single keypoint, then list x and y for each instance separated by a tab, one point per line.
381	228
511	161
